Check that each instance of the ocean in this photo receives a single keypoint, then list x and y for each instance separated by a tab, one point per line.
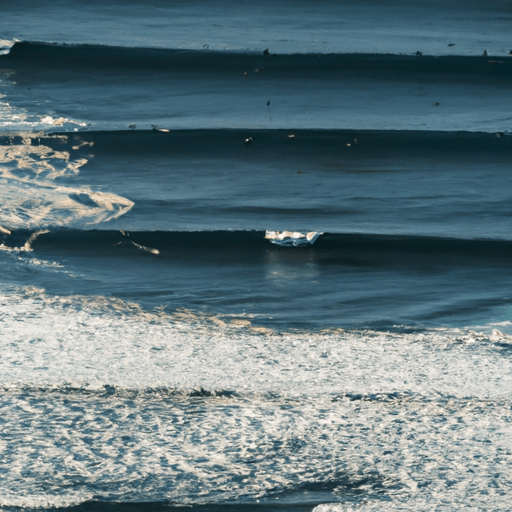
165	345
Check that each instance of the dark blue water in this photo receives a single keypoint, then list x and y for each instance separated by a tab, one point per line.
158	351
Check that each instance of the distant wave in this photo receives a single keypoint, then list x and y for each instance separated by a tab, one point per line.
427	69
63	86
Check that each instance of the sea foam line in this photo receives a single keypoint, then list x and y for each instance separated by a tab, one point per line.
55	340
31	198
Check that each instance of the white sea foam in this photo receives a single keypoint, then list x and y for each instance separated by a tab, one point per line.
189	408
291	238
188	350
27	246
5	46
31	197
348	507
44	500
60	121
14	119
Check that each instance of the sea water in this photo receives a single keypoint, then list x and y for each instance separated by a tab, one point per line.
157	352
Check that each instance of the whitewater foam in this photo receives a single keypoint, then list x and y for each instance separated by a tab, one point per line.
191	408
32	197
190	350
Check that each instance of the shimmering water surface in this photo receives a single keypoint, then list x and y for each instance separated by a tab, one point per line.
158	353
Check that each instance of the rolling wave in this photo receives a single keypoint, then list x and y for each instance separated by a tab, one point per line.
483	69
360	150
366	250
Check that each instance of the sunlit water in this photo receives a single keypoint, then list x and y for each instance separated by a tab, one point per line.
157	352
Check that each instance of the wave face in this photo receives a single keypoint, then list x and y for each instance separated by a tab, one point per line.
158	353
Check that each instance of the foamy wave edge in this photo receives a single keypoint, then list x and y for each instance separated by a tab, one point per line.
36	501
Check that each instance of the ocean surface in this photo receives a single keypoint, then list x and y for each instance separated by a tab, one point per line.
158	353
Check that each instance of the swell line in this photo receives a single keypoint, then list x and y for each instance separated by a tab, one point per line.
339	248
483	69
287	143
